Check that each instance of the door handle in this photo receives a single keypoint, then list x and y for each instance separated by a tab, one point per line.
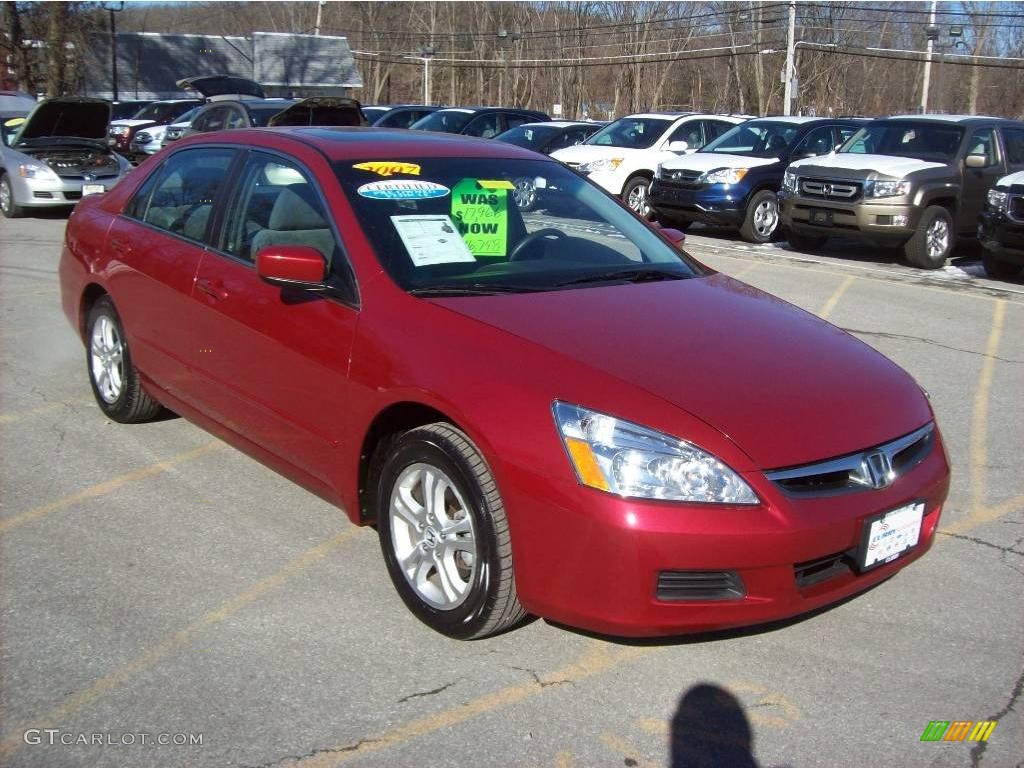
212	288
120	246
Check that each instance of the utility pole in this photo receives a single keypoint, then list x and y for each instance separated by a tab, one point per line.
319	15
932	32
426	52
787	99
113	47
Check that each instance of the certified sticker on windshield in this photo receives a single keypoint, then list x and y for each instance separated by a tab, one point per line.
431	240
388	167
402	189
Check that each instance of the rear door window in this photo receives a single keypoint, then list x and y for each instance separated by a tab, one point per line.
185	192
1013	141
486	126
983	142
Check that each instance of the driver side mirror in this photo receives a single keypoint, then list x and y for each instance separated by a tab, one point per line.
674	236
678	147
976	161
292	266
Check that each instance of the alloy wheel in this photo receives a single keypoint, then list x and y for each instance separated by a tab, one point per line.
937	238
766	218
106	353
638	200
524	194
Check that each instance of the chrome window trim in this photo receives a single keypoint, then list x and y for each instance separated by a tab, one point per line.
869	469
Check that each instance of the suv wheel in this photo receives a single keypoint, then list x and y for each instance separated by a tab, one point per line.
112	374
762	218
933	241
998	268
805	242
444	534
524	194
637	195
8	207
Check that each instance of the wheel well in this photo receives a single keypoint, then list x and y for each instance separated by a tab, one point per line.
641	174
949	203
766	186
389	424
90	296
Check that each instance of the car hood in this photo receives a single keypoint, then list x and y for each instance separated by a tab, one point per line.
786	387
865	165
586	153
132	123
707	161
321	110
221	85
1013	178
67	117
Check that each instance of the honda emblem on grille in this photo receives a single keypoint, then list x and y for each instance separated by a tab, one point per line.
826	189
879	469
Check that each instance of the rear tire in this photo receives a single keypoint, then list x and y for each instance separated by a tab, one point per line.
112	374
761	219
934	240
805	242
444	534
998	268
8	207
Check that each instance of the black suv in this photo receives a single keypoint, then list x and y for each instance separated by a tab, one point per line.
485	122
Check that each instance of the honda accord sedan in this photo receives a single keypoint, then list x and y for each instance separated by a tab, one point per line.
552	414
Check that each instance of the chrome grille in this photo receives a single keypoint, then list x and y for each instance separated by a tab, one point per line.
826	188
875	468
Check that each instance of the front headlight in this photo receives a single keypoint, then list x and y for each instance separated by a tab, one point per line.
633	461
118	130
724	176
878	188
604	164
998	201
789	181
32	171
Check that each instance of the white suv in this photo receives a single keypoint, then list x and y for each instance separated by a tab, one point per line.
622	156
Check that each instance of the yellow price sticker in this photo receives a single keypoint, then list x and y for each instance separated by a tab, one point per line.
389	167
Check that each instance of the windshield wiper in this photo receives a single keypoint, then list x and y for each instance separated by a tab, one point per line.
474	289
635	275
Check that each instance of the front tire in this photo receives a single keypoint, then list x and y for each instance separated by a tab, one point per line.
637	196
8	207
444	534
761	220
112	374
525	194
999	268
933	242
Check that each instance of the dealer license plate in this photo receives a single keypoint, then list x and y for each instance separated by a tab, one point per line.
92	189
889	535
821	218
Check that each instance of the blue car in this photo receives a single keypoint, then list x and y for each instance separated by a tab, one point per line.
734	180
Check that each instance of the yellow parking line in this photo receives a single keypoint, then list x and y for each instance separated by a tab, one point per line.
625	750
13	416
105	487
179	639
595	659
979	418
833	300
563	759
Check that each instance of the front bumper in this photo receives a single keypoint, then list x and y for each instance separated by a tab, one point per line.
591	560
719	204
892	222
1002	236
49	193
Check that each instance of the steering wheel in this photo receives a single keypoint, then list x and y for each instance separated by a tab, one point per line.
523	245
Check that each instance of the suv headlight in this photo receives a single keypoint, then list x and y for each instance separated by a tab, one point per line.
878	188
790	181
604	164
119	130
32	171
998	201
724	176
633	461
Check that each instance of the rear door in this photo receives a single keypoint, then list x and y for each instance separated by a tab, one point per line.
275	360
159	241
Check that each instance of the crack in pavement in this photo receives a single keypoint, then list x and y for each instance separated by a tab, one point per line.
542	683
978	750
1007	550
295	759
907	337
426	693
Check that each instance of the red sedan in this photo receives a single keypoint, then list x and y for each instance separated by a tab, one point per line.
555	413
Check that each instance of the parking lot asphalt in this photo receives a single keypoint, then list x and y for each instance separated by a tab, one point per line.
154	581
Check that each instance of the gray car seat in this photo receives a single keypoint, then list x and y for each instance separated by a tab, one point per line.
296	220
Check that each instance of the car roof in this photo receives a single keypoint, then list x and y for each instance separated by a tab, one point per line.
369	143
559	124
956	119
799	119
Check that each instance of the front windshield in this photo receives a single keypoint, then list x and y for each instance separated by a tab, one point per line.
443	225
755	140
530	137
444	120
631	132
937	143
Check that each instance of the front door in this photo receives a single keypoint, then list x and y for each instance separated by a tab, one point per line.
978	181
275	361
